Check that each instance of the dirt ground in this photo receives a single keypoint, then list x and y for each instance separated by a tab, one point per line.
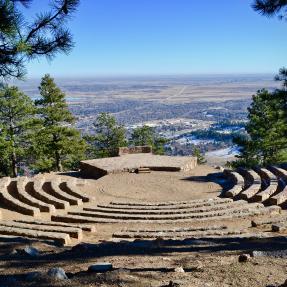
210	262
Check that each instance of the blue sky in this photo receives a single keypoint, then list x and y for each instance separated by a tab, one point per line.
158	37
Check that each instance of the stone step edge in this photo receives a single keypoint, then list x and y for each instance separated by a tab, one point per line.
88	228
73	232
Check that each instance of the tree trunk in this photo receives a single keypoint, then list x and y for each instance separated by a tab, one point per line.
58	162
14	164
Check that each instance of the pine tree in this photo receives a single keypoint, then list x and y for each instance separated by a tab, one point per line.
266	142
109	136
146	135
16	119
200	157
58	145
22	40
143	136
271	7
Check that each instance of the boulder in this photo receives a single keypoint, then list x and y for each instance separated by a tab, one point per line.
179	270
243	258
27	251
101	267
57	273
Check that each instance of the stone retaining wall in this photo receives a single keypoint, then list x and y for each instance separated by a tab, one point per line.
134	150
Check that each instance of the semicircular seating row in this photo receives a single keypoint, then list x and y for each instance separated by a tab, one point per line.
35	197
264	185
166	212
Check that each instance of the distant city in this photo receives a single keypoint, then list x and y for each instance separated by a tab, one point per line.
203	111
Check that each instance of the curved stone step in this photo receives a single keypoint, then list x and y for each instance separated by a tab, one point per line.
279	227
271	183
25	197
184	229
272	210
72	231
279	198
166	211
70	188
60	238
15	204
84	227
34	188
172	207
170	204
168	217
253	183
186	235
52	188
238	183
279	172
272	220
235	177
250	176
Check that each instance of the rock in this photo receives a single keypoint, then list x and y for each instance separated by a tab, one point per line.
84	247
101	267
179	270
57	273
257	253
31	276
171	284
28	250
243	257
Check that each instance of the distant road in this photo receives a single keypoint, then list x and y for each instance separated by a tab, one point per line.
176	95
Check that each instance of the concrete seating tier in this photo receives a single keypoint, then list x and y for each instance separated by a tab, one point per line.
280	197
13	203
280	227
186	229
235	209
84	227
32	196
24	196
271	184
244	211
35	188
70	188
197	202
272	220
210	203
166	211
264	185
170	235
72	231
237	181
60	238
272	210
252	182
52	187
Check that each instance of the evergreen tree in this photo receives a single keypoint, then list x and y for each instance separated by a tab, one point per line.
57	145
109	136
266	141
271	7
16	118
146	135
143	136
22	40
200	157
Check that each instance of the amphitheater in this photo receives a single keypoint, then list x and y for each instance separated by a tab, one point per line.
139	210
